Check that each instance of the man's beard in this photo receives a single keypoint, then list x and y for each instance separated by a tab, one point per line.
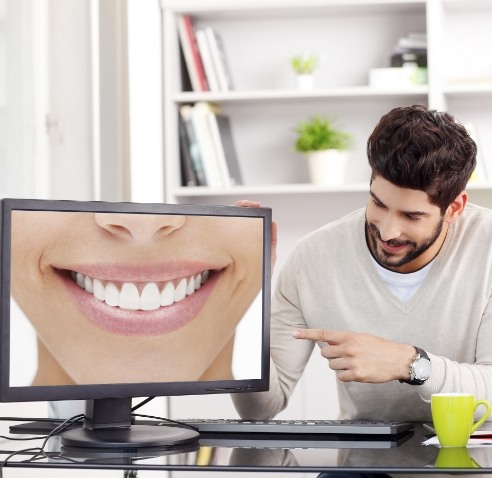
384	258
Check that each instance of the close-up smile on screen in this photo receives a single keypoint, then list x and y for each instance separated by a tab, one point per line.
119	293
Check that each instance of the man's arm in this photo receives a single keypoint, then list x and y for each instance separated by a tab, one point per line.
360	357
450	376
288	356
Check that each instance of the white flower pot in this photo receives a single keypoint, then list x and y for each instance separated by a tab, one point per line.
328	167
305	82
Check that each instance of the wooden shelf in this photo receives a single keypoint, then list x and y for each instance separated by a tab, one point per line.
349	92
268	189
469	88
288	8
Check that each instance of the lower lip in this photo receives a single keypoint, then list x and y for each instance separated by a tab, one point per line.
130	322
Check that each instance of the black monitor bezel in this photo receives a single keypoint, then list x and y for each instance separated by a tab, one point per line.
87	392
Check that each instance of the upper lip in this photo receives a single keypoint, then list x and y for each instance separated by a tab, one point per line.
118	272
390	244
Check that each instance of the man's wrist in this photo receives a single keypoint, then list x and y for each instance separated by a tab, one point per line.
406	363
420	368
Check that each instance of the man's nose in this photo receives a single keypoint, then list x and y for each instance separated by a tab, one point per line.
139	227
389	229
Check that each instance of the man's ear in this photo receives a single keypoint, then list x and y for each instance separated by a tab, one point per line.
456	208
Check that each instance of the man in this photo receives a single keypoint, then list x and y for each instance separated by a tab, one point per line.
397	295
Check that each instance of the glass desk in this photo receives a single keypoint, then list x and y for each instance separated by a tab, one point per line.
267	454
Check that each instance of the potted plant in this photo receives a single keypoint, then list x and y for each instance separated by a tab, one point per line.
304	66
326	148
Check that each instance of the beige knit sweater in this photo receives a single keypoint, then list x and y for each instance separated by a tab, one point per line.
329	282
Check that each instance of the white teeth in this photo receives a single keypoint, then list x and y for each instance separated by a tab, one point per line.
129	297
198	281
205	275
191	287
98	290
180	292
167	294
150	298
112	295
88	284
80	280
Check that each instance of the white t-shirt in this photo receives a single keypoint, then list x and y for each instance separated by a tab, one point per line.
403	286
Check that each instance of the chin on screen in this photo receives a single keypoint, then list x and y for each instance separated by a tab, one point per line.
105	302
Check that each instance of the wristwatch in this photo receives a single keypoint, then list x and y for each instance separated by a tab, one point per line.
420	368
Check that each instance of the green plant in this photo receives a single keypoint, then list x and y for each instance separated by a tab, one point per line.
318	134
304	64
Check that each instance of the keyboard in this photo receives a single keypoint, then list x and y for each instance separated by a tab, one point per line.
299	427
280	428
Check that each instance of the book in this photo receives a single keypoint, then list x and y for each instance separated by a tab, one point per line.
225	148
189	141
191	54
414	43
220	159
188	175
413	40
214	173
208	64
217	52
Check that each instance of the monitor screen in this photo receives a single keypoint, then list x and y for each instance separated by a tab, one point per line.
118	300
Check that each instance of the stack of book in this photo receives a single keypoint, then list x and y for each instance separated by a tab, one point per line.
411	50
208	154
204	56
408	63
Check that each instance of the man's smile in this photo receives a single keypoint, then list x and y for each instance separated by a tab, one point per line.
393	246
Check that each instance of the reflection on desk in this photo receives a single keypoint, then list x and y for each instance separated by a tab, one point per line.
268	455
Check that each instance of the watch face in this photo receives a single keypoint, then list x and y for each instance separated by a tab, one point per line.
422	369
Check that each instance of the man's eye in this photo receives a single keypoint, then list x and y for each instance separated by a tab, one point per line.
377	203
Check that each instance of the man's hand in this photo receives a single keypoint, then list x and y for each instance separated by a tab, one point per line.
248	203
360	357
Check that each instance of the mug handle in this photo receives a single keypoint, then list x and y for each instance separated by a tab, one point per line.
484	417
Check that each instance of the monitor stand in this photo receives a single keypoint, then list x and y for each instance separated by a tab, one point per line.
108	425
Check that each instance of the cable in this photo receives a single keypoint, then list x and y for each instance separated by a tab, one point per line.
167	420
24	419
59	429
11	438
64	424
142	403
25	450
40	450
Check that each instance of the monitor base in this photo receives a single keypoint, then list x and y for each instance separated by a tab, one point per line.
137	436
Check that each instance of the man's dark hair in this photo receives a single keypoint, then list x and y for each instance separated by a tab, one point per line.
418	148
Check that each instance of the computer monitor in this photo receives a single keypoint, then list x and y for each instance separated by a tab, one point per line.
106	302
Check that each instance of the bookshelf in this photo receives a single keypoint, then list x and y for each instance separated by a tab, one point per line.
350	37
265	104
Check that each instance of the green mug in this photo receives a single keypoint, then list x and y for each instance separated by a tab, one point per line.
453	417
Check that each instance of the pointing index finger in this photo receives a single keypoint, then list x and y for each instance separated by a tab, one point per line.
319	335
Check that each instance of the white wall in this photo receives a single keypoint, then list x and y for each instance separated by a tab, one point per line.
69	105
145	96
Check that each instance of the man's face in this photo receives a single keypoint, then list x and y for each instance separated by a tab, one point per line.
404	230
